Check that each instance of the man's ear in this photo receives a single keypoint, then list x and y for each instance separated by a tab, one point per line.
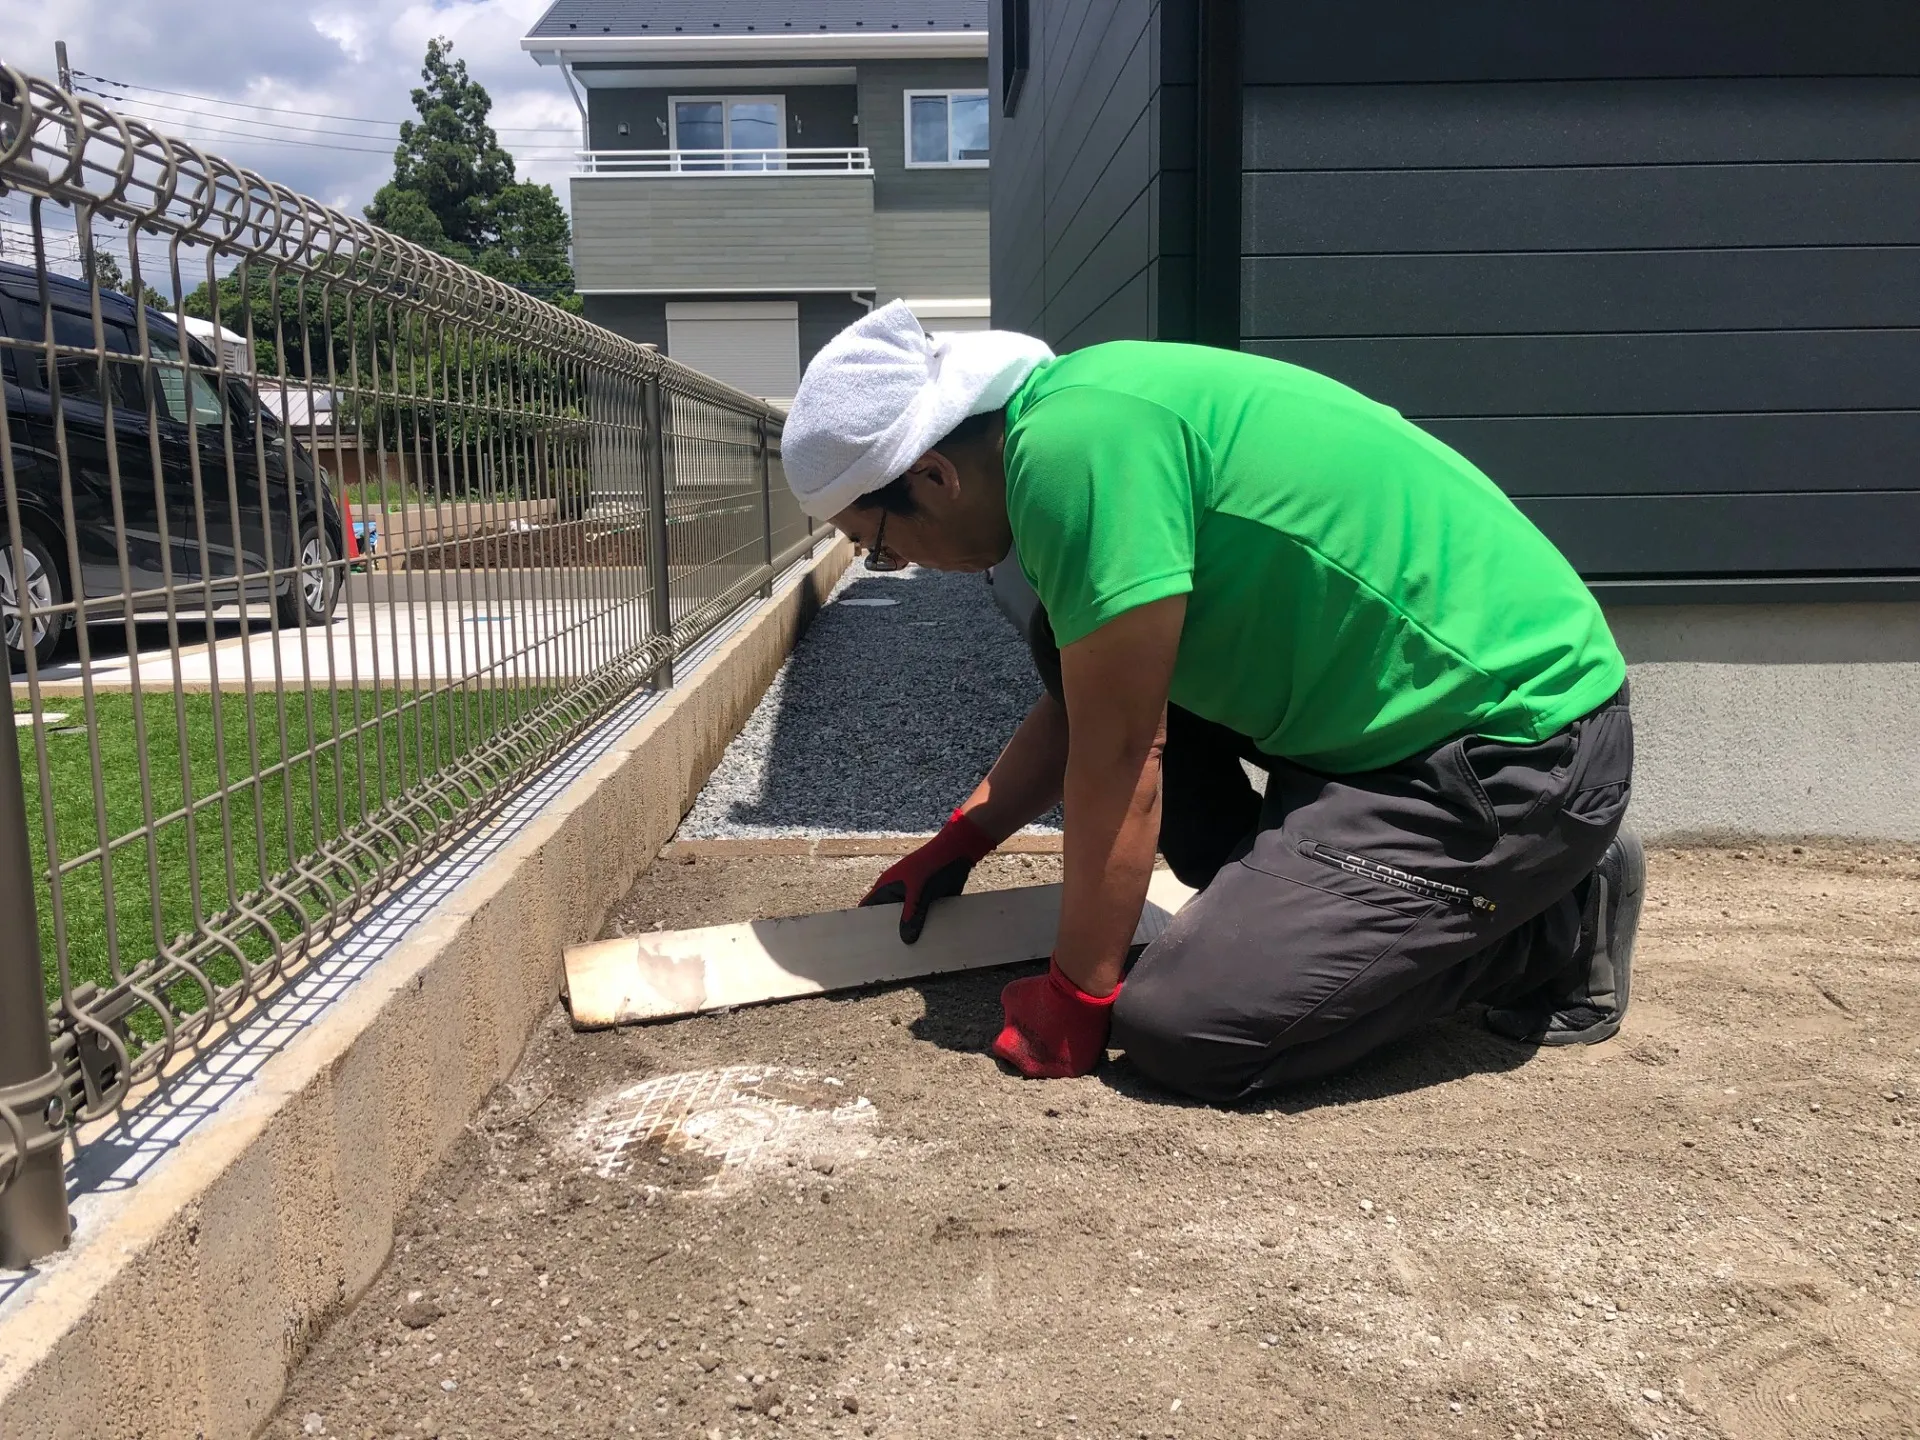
936	469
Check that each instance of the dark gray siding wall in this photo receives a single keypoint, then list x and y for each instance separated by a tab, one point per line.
1659	285
1093	176
644	317
818	116
821	318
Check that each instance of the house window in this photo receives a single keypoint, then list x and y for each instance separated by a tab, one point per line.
946	127
737	132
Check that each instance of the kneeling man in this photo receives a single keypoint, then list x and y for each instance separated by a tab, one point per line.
1242	561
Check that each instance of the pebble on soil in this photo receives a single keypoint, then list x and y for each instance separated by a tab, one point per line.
882	720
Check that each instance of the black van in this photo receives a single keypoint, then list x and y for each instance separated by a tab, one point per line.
242	529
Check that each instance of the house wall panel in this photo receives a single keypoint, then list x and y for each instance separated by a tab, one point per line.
1677	318
1711	536
1570	456
1755	371
931	254
723	232
1122	315
1604	123
1092	179
1653	207
1583	292
1325	42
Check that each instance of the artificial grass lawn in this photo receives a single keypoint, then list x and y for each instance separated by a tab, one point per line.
273	819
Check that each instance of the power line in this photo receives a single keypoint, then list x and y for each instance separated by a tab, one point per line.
206	130
199	133
285	110
201	117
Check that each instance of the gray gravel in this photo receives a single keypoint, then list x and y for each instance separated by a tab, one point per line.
892	707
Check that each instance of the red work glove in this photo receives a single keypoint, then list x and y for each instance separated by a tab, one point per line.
937	870
1054	1028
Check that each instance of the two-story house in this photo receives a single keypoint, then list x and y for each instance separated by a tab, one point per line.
757	173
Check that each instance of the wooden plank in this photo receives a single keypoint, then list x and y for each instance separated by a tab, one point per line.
674	973
815	847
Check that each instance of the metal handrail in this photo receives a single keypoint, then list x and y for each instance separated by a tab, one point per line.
855	160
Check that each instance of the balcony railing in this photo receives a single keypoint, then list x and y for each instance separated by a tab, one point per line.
854	161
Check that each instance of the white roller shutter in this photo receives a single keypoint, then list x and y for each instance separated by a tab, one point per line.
751	344
951	314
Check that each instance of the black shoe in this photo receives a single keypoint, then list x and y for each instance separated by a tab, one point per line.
1609	923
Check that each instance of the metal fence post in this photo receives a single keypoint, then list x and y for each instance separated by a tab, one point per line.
766	505
654	442
33	1111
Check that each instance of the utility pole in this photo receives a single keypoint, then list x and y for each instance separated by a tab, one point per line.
61	67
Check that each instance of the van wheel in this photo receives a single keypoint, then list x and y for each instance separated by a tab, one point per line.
314	588
44	588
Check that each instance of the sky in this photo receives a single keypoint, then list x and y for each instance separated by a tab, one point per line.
287	68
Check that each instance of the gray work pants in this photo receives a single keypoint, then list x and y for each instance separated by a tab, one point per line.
1342	912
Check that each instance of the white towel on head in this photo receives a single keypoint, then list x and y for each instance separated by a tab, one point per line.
881	393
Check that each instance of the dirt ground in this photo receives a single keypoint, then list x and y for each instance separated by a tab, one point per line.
838	1217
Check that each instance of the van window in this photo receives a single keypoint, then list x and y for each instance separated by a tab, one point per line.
79	374
177	381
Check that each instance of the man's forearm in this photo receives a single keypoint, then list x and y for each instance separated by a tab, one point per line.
1113	828
1025	781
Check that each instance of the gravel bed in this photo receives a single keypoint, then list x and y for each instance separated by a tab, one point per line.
889	711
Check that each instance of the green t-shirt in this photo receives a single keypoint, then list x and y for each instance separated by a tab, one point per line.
1356	591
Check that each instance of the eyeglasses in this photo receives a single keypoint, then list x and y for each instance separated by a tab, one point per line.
878	556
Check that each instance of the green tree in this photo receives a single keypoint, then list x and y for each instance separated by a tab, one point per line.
450	156
407	214
454	192
104	270
529	249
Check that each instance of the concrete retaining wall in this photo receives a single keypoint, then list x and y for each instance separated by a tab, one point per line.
187	1299
1776	720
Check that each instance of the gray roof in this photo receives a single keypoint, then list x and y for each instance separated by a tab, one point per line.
579	19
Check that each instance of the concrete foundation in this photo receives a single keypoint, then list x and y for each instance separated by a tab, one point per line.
186	1299
1774	720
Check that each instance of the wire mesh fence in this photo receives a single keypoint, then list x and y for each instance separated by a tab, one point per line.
317	544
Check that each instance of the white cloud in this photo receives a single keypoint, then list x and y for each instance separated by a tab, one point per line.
355	58
344	31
